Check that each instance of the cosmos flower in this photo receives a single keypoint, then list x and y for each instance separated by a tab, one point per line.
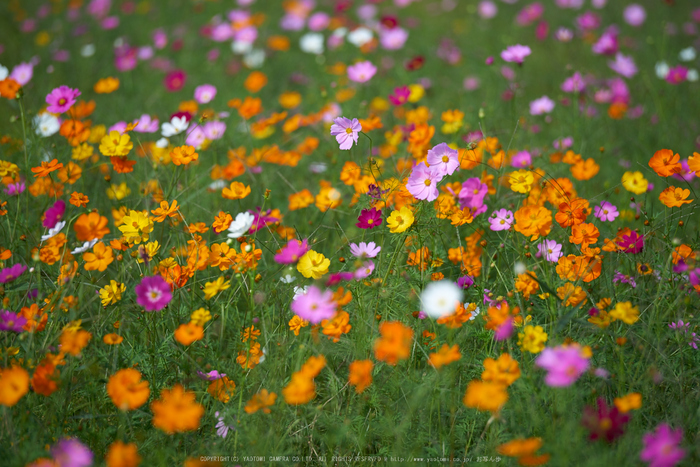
346	131
315	305
291	253
361	72
501	220
364	250
564	365
11	273
440	299
153	293
422	183
70	452
240	225
543	105
516	53
443	159
661	448
61	99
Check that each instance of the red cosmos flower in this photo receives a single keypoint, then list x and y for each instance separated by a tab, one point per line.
604	422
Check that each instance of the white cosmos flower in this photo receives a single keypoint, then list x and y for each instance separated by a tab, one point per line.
692	76
46	124
174	127
88	50
360	36
217	185
312	43
662	70
240	224
440	298
162	143
299	291
241	47
688	54
86	246
254	59
53	232
287	279
4	72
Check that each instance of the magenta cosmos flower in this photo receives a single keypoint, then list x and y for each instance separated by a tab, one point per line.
204	93
472	193
153	293
661	447
516	53
291	253
175	80
314	305
501	220
11	273
365	250
444	159
422	183
604	422
361	72
61	99
606	212
70	452
564	365
400	96
10	321
369	218
543	105
54	214
346	131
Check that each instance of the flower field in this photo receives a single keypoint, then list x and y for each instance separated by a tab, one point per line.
349	232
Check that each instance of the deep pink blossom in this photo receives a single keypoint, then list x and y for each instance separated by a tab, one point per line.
607	43
677	74
369	218
575	83
10	321
530	14
291	253
661	448
153	293
400	95
61	99
604	422
632	243
11	273
472	193
54	214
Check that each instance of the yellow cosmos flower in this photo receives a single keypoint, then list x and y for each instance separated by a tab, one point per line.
521	181
213	288
635	182
400	220
624	311
136	227
313	264
112	293
118	192
116	144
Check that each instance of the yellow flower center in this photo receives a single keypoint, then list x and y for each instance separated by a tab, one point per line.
370	221
348	131
427	182
445	159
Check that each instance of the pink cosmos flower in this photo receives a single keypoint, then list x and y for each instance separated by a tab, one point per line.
563	143
214	130
472	193
550	249
361	72
175	80
291	253
261	219
70	452
365	250
564	365
54	214
61	99
11	273
521	159
393	39
607	44
529	14
588	21
338	277
501	220
505	330
606	212
575	83
635	15
677	74
487	9
213	375
661	447
346	131
623	65
543	105
369	218
153	293
10	321
365	270
204	93
314	305
146	124
564	34
444	159
516	53
400	95
422	183
196	137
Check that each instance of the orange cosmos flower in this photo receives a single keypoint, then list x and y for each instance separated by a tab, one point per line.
628	402
360	374
222	389
186	334
665	163
14	383
694	163
36	318
120	454
250	107
313	366
73	341
572	212
673	197
46	168
183	155
300	200
485	396
261	401
236	190
445	356
100	257
126	389
300	390
503	371
533	221
584	234
394	343
45	378
165	210
222	222
524	450
106	85
255	81
585	169
176	411
122	165
112	339
9	88
336	327
75	132
90	226
78	199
